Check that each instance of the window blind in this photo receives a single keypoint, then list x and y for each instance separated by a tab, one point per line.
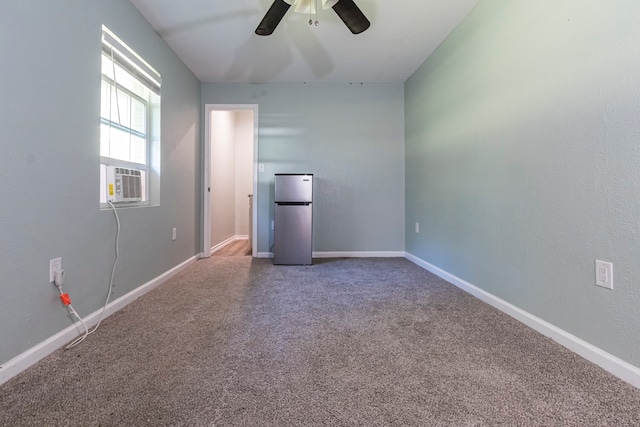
125	57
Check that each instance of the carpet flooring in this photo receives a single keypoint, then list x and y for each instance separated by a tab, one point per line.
236	341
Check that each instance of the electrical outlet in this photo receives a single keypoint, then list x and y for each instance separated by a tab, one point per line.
604	274
174	233
54	265
417	227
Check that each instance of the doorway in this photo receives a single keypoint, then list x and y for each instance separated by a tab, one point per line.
230	163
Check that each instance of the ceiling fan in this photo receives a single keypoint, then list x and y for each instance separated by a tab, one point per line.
347	10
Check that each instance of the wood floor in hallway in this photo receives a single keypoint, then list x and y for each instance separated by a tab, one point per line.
234	248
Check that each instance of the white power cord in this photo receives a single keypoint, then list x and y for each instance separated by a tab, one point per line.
72	310
60	274
113	270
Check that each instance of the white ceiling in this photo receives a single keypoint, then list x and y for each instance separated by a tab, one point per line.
216	39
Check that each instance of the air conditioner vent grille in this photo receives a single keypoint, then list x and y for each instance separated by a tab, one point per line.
124	184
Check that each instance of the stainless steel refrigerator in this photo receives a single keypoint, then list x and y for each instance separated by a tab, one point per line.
293	219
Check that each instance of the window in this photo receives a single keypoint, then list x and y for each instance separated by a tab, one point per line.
129	117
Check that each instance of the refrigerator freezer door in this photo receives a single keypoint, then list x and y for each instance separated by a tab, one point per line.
293	188
293	235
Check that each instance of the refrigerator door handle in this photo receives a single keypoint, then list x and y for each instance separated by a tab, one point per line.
293	203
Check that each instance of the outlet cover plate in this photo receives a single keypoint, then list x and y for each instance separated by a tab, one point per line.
604	274
54	265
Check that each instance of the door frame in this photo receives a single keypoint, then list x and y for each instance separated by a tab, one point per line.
206	176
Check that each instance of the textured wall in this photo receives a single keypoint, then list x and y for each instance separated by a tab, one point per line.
351	138
523	161
49	145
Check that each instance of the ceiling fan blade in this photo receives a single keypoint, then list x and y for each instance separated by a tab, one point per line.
352	16
272	18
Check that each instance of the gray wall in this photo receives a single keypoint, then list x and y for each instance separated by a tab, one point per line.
351	138
49	140
523	161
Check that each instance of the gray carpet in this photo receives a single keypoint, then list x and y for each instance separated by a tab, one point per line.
345	342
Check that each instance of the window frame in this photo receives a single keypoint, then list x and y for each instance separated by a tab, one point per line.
122	56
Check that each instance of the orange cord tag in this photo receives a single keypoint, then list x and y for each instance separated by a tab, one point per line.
66	300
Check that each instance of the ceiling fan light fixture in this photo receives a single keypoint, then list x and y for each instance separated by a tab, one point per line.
309	6
272	18
352	16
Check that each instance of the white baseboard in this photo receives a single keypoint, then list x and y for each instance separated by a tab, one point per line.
23	361
607	361
229	240
222	244
362	254
371	254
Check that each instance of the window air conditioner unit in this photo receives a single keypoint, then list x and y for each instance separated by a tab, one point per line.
123	185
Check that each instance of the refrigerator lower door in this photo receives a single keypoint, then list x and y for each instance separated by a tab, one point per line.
293	234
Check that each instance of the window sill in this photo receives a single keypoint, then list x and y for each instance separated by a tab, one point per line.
106	206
